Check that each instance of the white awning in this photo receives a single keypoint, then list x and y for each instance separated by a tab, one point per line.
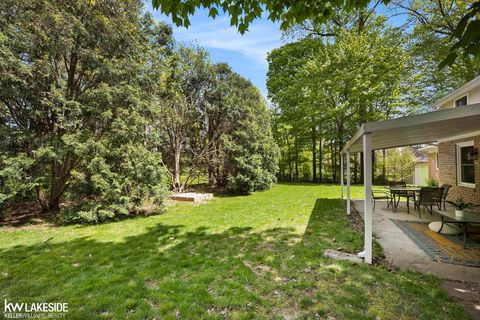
417	129
423	128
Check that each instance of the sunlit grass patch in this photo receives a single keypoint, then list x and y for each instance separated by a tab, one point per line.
234	257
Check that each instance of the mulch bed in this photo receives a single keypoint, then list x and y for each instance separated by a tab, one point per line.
25	213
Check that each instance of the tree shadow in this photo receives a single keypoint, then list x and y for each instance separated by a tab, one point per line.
169	272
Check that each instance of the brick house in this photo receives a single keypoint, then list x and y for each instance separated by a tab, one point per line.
452	160
452	133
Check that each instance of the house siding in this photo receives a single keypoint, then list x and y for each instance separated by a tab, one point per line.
473	98
447	163
432	167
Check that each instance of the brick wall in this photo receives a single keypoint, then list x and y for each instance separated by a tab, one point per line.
432	166
447	165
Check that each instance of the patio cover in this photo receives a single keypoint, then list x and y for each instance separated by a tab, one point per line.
423	128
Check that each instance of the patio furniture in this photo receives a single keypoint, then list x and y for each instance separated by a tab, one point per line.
382	194
395	184
469	217
428	197
403	191
446	188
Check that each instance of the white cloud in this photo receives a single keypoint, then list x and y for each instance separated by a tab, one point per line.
262	36
216	34
255	44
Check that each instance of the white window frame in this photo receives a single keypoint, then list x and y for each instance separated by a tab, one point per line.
436	160
459	167
461	97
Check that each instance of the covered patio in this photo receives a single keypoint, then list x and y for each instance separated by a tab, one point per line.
461	282
405	131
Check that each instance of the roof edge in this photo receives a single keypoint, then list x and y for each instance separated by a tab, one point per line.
416	119
465	87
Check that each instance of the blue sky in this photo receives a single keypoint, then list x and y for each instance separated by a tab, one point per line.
246	54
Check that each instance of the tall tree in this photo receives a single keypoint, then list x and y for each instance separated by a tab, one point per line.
340	80
69	87
432	27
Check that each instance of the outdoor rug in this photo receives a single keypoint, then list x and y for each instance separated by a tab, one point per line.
440	247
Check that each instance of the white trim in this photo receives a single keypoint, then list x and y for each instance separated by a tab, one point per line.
348	184
367	180
424	128
436	160
469	86
463	136
461	97
342	174
458	146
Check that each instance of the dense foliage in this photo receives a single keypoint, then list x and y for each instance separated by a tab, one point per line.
214	123
291	13
354	69
92	94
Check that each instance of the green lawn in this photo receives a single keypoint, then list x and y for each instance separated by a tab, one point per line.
243	257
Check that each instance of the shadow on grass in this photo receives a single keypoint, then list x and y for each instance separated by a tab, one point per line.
170	273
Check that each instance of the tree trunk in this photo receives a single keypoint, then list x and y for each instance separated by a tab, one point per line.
38	189
355	168
211	171
58	183
384	171
333	162
373	166
361	167
176	169
41	198
314	153
296	159
320	158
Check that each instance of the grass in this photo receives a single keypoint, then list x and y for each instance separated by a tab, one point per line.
243	257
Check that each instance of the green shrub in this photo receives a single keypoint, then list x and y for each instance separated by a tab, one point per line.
115	183
431	182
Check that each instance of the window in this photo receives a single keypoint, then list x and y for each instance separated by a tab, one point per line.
436	161
465	164
463	101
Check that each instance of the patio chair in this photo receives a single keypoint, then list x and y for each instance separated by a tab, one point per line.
428	198
381	194
445	188
396	184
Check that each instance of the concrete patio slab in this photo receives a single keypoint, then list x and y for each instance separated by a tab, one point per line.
404	253
462	282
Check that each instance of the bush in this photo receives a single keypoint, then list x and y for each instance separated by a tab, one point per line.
15	180
115	184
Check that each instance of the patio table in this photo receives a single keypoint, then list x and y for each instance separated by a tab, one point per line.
469	217
400	190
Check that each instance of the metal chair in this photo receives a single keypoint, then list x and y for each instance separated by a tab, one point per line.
446	188
381	194
428	198
397	184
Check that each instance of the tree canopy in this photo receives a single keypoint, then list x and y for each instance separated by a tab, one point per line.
333	86
102	112
291	13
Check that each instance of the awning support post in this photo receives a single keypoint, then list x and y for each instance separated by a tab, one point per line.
341	173
349	210
367	177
